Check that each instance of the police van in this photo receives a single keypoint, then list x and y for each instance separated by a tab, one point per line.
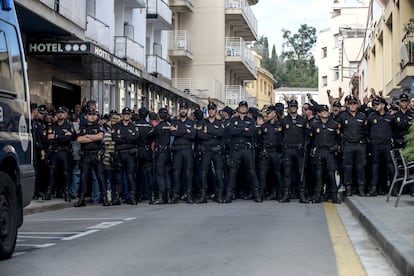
17	176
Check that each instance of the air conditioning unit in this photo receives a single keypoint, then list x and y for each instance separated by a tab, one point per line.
404	54
181	44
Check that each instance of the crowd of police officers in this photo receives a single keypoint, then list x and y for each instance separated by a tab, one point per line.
223	155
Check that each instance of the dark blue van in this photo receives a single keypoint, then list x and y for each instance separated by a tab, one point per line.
17	175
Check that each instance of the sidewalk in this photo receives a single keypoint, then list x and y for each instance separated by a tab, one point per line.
38	206
392	227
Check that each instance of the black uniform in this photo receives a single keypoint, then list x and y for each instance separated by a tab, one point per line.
211	148
125	157
270	156
182	148
381	133
144	162
293	131
324	144
39	134
60	155
402	124
162	159
242	150
353	140
91	160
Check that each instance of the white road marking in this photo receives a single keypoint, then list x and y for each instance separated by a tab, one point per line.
48	233
105	225
129	219
76	219
36	245
15	254
39	237
80	235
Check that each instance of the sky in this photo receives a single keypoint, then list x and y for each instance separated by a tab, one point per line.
274	15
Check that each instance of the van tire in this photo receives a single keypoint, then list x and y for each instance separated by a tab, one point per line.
8	216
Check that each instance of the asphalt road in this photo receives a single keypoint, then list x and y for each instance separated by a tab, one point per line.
242	238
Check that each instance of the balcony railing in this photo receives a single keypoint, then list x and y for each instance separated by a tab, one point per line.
135	4
128	49
244	6
236	47
407	50
200	87
158	8
179	41
182	5
156	65
237	93
98	31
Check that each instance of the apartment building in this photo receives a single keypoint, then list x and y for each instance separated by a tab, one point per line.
389	56
340	47
209	50
111	51
261	91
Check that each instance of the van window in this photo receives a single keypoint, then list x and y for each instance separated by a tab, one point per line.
11	65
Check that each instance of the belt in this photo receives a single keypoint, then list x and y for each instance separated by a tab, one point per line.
89	152
162	148
59	148
377	142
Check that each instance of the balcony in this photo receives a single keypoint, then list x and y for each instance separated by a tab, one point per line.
241	18
182	6
135	4
179	47
157	66
253	2
130	50
159	14
201	88
237	93
98	32
404	77
240	59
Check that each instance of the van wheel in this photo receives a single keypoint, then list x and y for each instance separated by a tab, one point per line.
8	216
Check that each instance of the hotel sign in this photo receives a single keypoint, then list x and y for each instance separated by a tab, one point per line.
81	48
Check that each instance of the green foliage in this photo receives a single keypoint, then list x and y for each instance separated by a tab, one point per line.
295	67
408	151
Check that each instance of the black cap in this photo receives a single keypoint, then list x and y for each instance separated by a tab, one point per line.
404	97
126	110
42	109
184	105
162	110
198	114
337	104
293	103
143	112
379	100
351	99
228	110
211	106
271	108
92	111
253	110
113	112
62	109
243	103
323	107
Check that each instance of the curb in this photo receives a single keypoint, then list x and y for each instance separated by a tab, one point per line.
47	207
394	248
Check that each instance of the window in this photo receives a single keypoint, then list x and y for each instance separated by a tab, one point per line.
324	81
324	52
336	73
337	40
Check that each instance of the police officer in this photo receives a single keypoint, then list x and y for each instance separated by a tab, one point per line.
271	146
90	137
210	133
380	125
38	128
125	135
403	120
354	137
293	129
144	162
60	134
324	134
162	156
184	133
242	129
226	114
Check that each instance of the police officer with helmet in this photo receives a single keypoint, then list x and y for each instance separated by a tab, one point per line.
403	120
242	129
125	135
60	134
90	137
210	134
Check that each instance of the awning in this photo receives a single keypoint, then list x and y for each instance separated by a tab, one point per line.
85	60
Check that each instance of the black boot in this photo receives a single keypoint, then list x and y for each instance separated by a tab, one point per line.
361	190
348	190
229	197
335	198
66	195
116	200
159	199
372	192
258	196
285	196
81	202
248	196
48	195
132	198
105	201
203	197
189	199
302	197
219	195
317	198
173	199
